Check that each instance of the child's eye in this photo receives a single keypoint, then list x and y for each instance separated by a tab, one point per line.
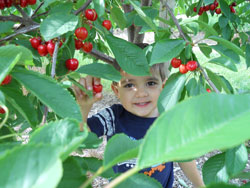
129	85
151	83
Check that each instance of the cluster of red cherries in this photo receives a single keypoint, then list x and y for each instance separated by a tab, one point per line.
23	3
184	68
213	7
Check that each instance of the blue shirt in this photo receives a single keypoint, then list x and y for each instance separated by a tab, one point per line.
116	119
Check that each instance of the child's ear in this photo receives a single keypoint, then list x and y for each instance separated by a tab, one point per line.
114	89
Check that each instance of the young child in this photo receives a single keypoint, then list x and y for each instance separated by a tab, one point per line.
136	113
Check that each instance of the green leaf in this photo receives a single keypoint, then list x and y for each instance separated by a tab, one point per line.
65	135
194	88
236	159
7	146
225	62
228	45
58	24
60	8
8	53
99	7
165	50
30	166
106	71
92	141
72	174
144	16
227	53
129	56
205	49
49	92
171	93
198	129
209	30
225	8
248	55
21	104
243	175
227	33
221	185
188	51
223	21
118	16
6	26
114	153
214	170
140	180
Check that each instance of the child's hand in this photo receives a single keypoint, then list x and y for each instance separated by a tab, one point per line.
82	98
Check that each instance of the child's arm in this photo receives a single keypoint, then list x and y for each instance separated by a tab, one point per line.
84	101
192	173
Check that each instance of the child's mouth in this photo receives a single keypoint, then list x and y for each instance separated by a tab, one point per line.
142	104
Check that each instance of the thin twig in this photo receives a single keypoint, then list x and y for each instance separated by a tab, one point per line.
105	58
39	6
83	7
184	37
41	14
21	31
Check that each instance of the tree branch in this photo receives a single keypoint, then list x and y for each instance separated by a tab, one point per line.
26	18
12	18
105	58
83	7
39	6
184	37
21	31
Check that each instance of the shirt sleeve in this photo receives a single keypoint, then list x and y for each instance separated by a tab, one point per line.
102	123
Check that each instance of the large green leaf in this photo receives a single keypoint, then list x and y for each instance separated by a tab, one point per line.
114	153
6	26
214	170
171	93
65	135
49	92
197	126
5	147
209	30
236	159
144	16
140	180
58	24
73	176
166	49
27	166
248	55
129	56
225	62
22	104
228	45
13	50
101	71
99	7
118	16
205	49
61	8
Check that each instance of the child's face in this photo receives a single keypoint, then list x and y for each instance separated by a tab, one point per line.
139	94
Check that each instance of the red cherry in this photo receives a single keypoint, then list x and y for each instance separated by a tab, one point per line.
107	24
95	15
72	64
175	62
208	90
51	48
8	3
35	42
81	33
191	65
42	50
6	80
232	9
212	7
23	3
78	44
234	4
31	2
97	88
195	9
183	69
218	11
2	4
2	111
89	14
216	4
87	47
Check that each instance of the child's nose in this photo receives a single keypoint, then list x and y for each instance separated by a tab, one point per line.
141	92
